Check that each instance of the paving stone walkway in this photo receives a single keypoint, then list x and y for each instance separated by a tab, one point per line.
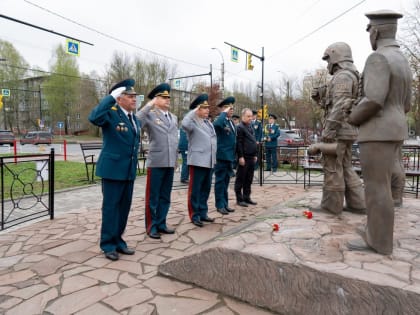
56	267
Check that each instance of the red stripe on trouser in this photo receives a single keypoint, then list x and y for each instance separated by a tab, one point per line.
148	215
190	187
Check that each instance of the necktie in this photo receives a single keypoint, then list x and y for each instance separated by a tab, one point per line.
130	118
167	121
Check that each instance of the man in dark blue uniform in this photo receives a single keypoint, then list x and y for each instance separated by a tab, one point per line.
117	163
162	129
258	132
272	132
226	141
183	149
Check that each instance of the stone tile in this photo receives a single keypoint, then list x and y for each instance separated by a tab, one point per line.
128	297
370	276
180	245
180	306
124	265
14	248
220	311
35	305
397	269
8	302
127	280
243	308
162	285
103	274
70	247
153	244
199	236
76	270
15	277
53	280
9	261
30	291
172	253
78	256
5	289
97	262
85	298
152	259
142	309
48	266
199	294
77	283
98	309
33	258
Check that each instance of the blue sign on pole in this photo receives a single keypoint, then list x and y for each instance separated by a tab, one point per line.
60	124
5	92
72	47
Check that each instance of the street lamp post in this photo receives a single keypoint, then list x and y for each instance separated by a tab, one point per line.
222	83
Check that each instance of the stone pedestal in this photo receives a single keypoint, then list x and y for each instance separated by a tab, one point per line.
305	267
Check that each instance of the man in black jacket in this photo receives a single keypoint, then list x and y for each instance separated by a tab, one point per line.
247	152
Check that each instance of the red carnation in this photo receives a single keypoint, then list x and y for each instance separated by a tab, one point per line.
276	227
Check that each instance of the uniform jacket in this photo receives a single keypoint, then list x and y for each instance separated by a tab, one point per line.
202	141
342	93
226	138
386	82
258	130
246	145
183	140
163	139
272	132
118	158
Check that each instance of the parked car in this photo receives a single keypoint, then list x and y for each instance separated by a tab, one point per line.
37	137
289	138
7	137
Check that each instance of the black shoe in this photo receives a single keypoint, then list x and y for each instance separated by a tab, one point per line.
222	211
184	181
166	231
267	170
198	223
250	202
154	235
242	204
230	209
112	256
207	219
126	251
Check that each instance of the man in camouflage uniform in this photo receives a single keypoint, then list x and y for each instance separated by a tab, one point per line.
340	180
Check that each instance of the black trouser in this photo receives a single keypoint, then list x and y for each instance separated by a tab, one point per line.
244	177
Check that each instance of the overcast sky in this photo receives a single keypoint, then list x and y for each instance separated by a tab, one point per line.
186	30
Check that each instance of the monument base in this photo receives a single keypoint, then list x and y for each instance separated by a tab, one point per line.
305	267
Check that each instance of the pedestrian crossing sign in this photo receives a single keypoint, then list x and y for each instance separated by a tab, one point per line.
72	47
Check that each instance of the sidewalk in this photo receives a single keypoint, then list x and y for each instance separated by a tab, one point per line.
56	267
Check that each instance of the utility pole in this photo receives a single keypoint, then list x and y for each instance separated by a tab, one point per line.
222	79
262	97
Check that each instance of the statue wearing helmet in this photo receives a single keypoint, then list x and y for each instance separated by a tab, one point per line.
340	180
337	53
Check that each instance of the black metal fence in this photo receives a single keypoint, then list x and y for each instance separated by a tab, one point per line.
27	188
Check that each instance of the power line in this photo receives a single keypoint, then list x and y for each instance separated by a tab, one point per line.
317	29
54	73
114	38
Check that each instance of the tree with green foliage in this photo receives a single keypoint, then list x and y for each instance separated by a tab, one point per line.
62	88
12	71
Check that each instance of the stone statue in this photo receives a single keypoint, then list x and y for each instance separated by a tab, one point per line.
340	180
380	115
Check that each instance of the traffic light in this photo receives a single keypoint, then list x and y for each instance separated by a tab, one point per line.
1	101
249	65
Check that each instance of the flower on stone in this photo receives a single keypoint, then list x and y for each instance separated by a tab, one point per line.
276	227
308	214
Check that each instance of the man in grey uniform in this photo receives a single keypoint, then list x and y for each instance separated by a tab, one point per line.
380	116
162	129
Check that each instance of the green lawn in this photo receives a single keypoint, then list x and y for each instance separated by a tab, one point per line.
21	179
